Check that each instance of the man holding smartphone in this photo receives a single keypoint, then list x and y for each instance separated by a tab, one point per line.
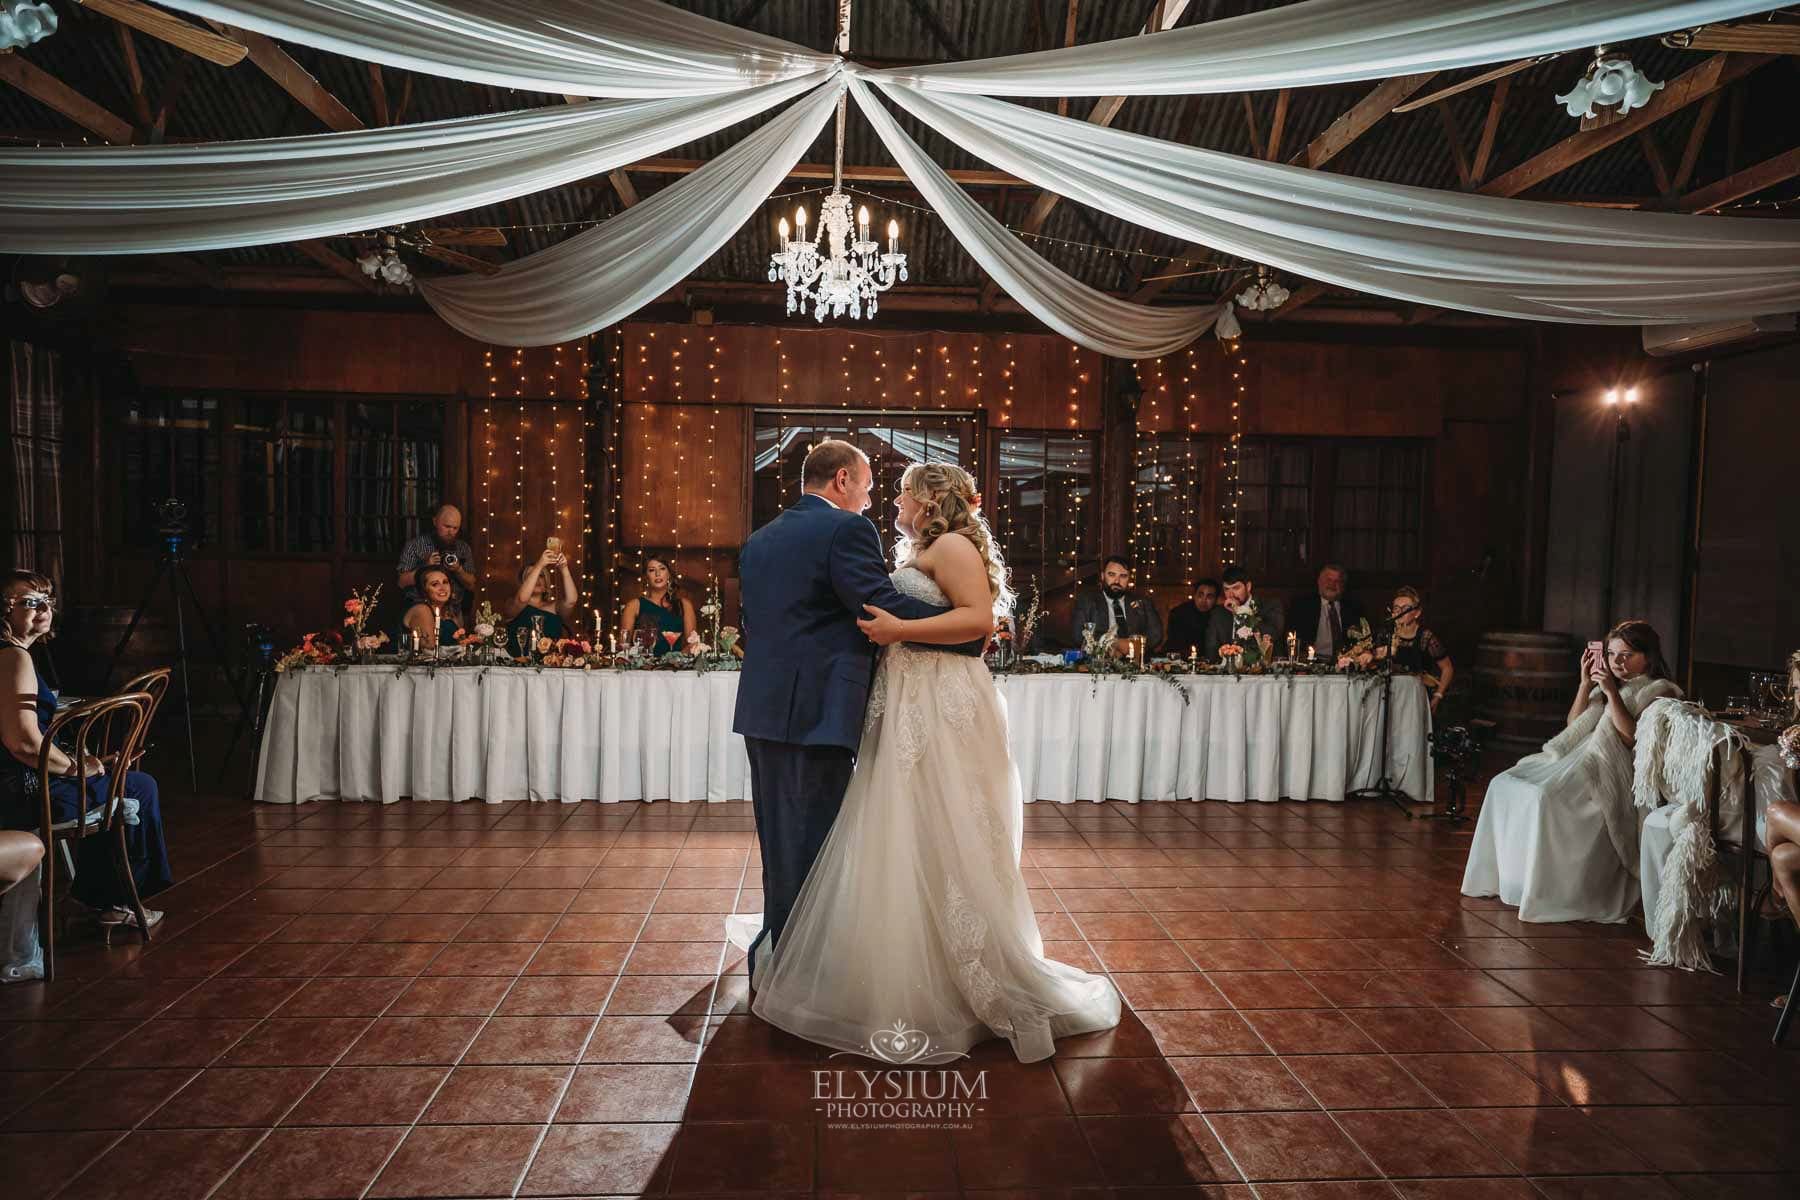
442	547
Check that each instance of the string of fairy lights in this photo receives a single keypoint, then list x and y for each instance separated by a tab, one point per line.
662	428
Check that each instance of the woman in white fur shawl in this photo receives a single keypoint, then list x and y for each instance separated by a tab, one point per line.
1558	834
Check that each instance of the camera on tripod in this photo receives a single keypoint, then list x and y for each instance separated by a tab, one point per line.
171	523
259	646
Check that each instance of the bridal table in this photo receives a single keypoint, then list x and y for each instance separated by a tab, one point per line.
506	733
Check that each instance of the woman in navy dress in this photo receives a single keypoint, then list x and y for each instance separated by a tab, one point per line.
536	601
662	609
27	604
441	630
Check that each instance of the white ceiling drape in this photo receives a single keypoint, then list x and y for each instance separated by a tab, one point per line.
1515	258
1320	42
156	199
1080	313
619	48
608	272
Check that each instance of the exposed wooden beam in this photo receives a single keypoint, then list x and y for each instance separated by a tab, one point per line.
134	75
1659	170
934	25
294	79
378	94
406	87
173	87
326	257
1470	84
1453	139
1062	102
168	27
1688	88
1301	296
1275	125
1258	148
1747	182
1360	118
54	93
1163	15
1490	125
1690	154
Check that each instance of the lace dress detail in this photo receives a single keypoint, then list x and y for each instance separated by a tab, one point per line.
968	932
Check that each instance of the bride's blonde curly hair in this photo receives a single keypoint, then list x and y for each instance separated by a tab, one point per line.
946	494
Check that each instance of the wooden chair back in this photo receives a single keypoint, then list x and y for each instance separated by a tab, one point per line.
113	729
154	684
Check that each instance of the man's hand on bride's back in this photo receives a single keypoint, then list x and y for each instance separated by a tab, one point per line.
884	628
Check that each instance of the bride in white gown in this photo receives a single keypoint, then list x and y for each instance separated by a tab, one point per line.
916	911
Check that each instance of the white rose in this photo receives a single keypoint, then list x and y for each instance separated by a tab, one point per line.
484	630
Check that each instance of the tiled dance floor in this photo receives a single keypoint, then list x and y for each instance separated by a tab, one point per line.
536	1000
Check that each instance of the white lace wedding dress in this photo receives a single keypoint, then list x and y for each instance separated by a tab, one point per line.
916	911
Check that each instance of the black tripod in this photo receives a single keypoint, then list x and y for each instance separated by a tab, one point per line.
1384	788
173	531
261	645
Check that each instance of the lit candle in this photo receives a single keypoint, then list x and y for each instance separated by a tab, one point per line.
596	625
893	236
437	623
800	223
1293	642
862	222
784	233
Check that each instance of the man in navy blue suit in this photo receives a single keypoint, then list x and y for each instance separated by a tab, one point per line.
805	577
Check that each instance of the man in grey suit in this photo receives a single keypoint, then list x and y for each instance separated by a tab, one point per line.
1113	606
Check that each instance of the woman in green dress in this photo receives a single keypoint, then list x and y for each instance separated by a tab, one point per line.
433	619
534	610
662	609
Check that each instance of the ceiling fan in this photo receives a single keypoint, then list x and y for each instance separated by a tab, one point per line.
379	255
1780	34
172	29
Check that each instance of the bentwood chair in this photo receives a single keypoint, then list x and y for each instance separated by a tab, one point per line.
111	729
1749	866
154	684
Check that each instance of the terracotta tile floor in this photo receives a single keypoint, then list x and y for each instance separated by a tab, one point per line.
536	1000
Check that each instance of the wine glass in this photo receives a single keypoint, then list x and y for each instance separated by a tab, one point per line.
671	638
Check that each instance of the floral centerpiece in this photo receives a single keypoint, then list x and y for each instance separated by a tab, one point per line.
1249	645
358	609
314	650
569	652
486	634
1359	649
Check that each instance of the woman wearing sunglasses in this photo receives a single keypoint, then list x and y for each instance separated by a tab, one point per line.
27	609
1417	649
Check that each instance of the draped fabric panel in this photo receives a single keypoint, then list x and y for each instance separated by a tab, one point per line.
604	274
154	199
1514	258
621	48
1084	315
1320	42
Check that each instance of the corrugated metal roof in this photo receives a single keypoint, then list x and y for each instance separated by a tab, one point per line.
1097	247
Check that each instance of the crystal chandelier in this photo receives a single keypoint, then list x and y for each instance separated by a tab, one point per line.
829	270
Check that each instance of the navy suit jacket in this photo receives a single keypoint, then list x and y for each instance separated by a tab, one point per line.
804	578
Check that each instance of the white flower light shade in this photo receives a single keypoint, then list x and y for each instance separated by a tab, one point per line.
1608	82
23	22
1264	295
386	266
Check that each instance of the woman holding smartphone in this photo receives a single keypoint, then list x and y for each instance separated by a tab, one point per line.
1558	834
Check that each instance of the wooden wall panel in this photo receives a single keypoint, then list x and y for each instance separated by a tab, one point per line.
685	468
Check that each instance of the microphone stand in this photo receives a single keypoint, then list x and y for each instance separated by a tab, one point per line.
1384	788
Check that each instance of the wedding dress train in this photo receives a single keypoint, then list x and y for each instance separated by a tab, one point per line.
913	938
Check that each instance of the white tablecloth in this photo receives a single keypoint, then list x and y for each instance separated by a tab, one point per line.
505	733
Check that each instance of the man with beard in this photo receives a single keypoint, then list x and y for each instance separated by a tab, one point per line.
1114	608
1240	595
442	547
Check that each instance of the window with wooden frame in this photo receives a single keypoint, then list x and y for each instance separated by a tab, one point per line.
1045	508
1357	501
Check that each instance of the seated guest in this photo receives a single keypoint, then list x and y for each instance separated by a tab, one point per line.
27	605
1114	608
1558	833
20	854
1417	649
1190	623
434	618
1240	593
1782	821
1320	617
536	601
661	610
439	548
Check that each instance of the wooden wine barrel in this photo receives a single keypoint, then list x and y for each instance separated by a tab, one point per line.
1524	681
